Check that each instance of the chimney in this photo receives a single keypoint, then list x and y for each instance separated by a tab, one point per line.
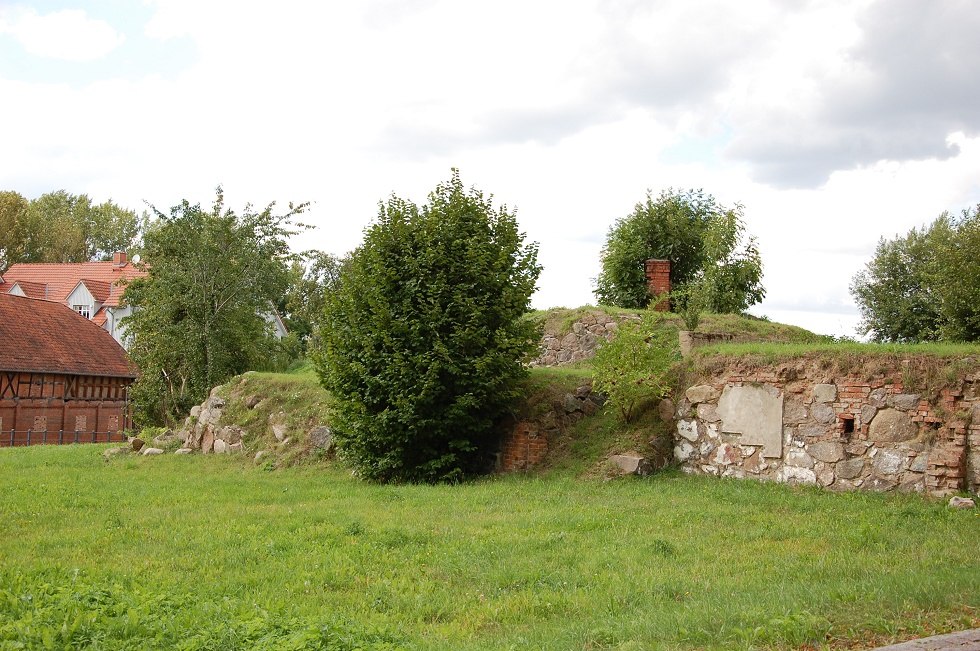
119	259
658	282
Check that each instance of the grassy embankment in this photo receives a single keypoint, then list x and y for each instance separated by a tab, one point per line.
218	553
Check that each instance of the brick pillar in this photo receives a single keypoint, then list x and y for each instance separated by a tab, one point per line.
658	281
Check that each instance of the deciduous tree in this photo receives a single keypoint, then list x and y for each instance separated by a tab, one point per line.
712	259
423	339
198	316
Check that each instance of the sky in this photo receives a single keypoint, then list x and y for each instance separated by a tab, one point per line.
833	123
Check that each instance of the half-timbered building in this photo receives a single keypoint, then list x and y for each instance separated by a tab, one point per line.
63	379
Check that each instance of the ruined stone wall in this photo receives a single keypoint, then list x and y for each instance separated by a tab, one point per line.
526	441
801	423
581	342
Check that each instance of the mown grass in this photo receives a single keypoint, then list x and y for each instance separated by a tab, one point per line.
209	553
779	351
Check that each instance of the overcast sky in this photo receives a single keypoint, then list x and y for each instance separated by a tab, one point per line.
833	122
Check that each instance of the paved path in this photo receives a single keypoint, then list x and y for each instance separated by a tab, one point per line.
962	641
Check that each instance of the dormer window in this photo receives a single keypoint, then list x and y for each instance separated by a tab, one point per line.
84	310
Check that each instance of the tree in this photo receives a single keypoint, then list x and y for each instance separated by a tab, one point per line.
198	316
62	227
310	279
705	243
635	365
895	292
423	339
924	286
13	211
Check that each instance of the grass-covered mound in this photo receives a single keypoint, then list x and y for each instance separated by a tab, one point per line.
201	552
558	321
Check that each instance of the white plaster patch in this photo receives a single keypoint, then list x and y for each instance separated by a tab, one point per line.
756	414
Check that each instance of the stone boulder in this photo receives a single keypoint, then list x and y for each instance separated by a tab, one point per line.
826	451
956	502
823	393
321	438
628	464
891	426
136	444
905	401
702	393
151	452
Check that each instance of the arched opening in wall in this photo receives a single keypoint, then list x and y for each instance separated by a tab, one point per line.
846	425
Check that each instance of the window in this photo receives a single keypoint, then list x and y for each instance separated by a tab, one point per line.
84	310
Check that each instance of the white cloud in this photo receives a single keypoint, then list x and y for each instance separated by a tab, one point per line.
69	34
565	109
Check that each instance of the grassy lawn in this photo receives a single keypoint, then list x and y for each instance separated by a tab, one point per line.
213	553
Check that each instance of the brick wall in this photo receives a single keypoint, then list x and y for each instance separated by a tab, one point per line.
658	281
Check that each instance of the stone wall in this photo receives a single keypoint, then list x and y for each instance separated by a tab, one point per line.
802	423
581	342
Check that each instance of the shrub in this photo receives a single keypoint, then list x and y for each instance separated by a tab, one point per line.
423	341
635	365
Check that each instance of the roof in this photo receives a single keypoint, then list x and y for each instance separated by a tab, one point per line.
30	289
105	280
42	336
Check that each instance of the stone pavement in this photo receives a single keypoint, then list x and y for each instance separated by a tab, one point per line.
962	641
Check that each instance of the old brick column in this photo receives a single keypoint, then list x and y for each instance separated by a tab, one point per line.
658	282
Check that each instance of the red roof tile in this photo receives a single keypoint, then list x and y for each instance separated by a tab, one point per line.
31	290
61	278
100	289
48	337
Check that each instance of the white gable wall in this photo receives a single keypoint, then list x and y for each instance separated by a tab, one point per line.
81	296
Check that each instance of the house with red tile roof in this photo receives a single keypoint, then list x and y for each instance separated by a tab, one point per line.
63	378
92	289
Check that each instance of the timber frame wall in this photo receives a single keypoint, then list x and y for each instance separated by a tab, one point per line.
54	406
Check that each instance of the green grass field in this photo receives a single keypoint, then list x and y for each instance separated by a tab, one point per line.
215	553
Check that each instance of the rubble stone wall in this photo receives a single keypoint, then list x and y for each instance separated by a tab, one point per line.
800	423
581	342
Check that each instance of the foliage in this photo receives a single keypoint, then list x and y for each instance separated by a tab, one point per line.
423	338
635	365
712	260
200	316
205	549
924	286
62	227
310	279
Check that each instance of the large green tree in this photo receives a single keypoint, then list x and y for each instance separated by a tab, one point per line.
200	316
925	285
423	340
62	227
706	244
13	212
310	279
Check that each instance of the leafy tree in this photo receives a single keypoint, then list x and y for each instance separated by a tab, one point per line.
956	272
705	243
895	292
62	227
423	339
13	211
635	365
310	280
198	315
924	286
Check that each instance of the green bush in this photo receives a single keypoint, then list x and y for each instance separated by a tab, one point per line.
635	365
423	340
